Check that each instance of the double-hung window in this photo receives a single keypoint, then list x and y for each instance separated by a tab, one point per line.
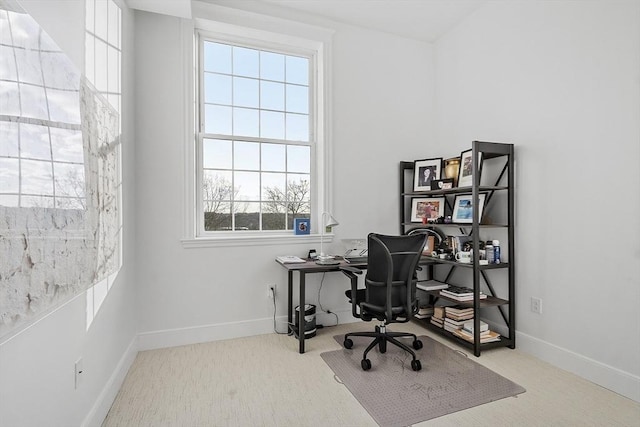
257	136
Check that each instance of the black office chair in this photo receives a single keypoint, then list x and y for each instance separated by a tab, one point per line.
389	294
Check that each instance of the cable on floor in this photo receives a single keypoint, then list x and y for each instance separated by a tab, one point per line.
274	319
320	303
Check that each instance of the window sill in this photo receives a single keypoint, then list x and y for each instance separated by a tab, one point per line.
252	240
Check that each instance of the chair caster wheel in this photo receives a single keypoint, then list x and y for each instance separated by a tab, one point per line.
417	344
366	364
347	343
416	365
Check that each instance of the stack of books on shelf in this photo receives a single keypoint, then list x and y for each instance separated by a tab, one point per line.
431	285
424	312
486	335
459	313
459	293
438	317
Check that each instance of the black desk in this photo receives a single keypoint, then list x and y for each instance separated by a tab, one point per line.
303	269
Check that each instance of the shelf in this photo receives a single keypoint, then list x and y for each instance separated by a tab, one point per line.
456	190
426	322
489	301
432	260
450	224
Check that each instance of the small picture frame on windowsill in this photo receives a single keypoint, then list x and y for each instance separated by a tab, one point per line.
301	226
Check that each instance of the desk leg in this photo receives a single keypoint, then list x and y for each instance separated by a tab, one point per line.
290	303
301	312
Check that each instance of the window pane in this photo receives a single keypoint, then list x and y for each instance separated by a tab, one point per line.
89	60
271	125
69	180
29	66
246	155
297	99
217	119
297	127
9	99
64	106
36	202
9	175
216	188
298	191
36	177
245	92
7	63
113	75
273	157
297	70
8	139
247	216
101	64
298	158
66	145
34	142
114	23
217	89
273	189
101	22
245	122
217	153
33	102
272	96
217	57
245	62
272	66
272	220
247	185
8	200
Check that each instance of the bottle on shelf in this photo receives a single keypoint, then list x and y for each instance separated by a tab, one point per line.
489	252
496	252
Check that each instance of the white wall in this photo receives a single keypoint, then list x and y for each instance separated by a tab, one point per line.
561	80
37	364
383	104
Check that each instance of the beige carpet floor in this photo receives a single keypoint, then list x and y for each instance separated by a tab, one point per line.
263	381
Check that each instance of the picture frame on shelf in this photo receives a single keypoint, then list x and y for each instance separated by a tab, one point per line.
463	208
425	171
465	173
301	226
424	209
442	184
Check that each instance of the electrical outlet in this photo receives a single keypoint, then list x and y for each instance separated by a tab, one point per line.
79	372
536	305
271	291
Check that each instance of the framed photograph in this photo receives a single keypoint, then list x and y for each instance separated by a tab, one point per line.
463	208
425	171
301	226
465	173
425	208
442	184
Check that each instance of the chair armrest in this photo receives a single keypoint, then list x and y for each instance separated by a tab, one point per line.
352	273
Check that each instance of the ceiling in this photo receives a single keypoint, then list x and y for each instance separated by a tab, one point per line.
424	20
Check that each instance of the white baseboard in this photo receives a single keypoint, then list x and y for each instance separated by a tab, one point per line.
604	375
103	403
199	334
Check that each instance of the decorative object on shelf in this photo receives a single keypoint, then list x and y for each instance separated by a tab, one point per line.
465	174
442	184
330	221
463	208
430	208
425	171
452	168
301	226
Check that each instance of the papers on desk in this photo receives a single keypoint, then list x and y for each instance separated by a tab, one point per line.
289	259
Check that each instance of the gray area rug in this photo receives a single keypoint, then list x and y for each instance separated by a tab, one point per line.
394	395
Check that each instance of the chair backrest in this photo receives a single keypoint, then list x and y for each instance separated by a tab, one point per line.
391	276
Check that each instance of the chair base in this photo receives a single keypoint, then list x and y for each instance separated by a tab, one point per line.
382	337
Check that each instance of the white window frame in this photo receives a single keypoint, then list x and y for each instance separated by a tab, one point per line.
295	39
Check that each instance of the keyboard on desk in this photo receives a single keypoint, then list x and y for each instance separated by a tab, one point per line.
356	259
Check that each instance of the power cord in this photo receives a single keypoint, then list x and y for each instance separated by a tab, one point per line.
273	297
320	303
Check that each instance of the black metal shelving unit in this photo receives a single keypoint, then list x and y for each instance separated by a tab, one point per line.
481	274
